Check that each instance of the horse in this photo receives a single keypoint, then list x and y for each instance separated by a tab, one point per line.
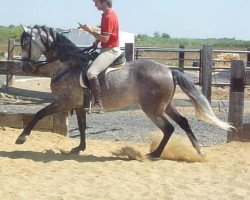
145	82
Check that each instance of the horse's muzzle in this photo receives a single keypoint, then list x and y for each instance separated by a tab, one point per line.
27	66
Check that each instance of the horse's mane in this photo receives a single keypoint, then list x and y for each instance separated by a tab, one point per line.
62	45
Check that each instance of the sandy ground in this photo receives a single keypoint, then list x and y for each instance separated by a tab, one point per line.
42	169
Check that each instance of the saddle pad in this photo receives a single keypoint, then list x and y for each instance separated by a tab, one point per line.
81	82
108	70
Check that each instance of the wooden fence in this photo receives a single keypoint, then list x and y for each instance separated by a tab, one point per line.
204	64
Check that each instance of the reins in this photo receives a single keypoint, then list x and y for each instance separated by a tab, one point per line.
36	65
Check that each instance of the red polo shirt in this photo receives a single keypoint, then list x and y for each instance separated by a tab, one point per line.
110	26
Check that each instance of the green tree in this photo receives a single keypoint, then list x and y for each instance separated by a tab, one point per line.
157	34
165	35
11	26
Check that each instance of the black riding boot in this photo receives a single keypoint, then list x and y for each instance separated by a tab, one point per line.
95	89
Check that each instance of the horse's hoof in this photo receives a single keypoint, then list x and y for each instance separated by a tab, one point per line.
151	156
20	140
203	155
75	150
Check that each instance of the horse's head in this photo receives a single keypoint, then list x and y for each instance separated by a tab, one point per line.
41	40
36	41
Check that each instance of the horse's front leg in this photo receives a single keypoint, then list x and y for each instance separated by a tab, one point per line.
52	108
81	119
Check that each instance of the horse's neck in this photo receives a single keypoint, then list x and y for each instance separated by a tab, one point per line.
68	56
64	49
55	67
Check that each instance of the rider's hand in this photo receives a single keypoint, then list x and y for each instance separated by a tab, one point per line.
87	28
95	43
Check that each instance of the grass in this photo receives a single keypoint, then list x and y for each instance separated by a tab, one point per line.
3	47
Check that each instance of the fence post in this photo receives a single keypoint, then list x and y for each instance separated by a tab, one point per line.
236	99
181	58
10	78
206	67
129	51
248	57
136	54
200	68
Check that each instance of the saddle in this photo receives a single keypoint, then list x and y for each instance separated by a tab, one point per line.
119	61
117	64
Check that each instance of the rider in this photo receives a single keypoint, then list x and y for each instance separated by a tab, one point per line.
109	38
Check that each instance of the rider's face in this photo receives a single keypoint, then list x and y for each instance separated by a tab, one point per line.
98	4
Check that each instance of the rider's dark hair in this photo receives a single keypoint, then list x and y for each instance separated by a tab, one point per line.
109	2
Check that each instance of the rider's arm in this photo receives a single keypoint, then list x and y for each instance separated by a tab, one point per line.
100	37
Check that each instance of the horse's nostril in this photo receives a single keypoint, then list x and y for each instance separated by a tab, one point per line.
26	66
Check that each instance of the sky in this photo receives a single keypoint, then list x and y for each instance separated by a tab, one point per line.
178	18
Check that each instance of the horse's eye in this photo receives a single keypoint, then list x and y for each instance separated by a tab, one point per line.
26	44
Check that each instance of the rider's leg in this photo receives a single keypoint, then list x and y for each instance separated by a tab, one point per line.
106	57
95	88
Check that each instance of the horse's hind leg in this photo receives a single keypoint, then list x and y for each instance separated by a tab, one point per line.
183	123
52	108
167	128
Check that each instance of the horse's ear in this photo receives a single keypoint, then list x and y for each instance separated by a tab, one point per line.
26	29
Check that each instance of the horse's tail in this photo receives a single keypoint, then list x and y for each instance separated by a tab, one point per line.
203	109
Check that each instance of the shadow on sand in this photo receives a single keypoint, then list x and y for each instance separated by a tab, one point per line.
50	155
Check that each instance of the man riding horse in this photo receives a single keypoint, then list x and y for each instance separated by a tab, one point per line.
147	83
109	38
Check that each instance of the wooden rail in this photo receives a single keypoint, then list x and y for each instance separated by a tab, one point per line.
12	67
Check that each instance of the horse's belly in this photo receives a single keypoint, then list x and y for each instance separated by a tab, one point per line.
115	100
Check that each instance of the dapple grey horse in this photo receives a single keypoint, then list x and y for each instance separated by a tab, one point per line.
147	83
